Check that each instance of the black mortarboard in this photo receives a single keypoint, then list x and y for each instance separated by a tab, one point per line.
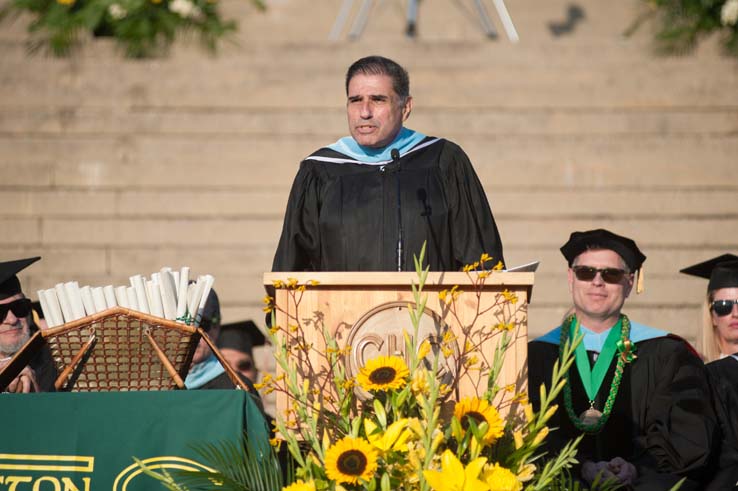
9	283
722	271
210	312
603	239
242	336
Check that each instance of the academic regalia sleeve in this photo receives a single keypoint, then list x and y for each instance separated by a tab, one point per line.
299	244
724	381
473	226
679	426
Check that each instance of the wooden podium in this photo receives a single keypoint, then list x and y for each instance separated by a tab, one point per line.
368	311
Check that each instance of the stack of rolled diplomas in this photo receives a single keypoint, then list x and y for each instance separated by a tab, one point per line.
168	294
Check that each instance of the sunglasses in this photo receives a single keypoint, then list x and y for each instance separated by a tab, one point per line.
588	273
723	307
21	308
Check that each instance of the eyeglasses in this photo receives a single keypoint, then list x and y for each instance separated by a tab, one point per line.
723	307
588	273
20	308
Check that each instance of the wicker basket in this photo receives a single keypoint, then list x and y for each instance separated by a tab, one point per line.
117	350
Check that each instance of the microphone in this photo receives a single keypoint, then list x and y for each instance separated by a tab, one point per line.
396	160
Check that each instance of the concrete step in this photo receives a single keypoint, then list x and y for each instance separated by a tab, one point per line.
268	162
320	121
270	204
229	82
263	233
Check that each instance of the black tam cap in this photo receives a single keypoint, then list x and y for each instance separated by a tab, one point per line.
603	239
241	336
9	283
210	312
722	271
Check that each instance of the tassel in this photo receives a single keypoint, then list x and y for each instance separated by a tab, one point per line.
639	281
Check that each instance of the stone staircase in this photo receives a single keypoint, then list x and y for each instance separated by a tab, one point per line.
112	167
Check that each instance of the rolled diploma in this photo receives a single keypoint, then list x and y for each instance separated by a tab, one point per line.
86	294
75	299
61	294
109	293
54	307
153	290
98	298
175	277
207	286
137	282
45	308
121	296
182	291
132	298
168	295
194	301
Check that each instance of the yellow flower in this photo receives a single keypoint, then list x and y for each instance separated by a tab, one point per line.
300	485
383	373
419	384
502	326
484	258
65	2
453	476
527	472
291	282
350	460
278	284
442	295
424	349
542	434
501	479
498	266
313	282
395	437
480	411
518	438
510	296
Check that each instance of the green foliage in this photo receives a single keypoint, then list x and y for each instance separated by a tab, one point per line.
141	28
236	467
681	24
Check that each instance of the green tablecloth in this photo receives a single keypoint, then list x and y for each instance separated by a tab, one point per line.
86	441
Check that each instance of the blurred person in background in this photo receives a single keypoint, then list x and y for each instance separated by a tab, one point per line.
720	348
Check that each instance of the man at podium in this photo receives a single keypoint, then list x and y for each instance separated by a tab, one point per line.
369	201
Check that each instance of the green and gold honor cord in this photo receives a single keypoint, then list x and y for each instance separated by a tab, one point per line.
592	378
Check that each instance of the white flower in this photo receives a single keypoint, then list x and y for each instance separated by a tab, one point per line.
185	8
729	13
116	11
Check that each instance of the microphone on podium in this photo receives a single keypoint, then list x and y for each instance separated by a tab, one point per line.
396	160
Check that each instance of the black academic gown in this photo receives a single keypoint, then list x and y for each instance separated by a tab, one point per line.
342	216
662	420
724	380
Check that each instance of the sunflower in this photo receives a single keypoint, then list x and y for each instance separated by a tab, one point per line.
300	485
350	460
480	411
383	373
500	479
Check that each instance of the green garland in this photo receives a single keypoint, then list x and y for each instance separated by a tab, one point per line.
627	355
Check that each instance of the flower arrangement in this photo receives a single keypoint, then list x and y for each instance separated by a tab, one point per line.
683	23
410	434
142	28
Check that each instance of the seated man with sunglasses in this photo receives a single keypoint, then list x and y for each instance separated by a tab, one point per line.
639	396
15	330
